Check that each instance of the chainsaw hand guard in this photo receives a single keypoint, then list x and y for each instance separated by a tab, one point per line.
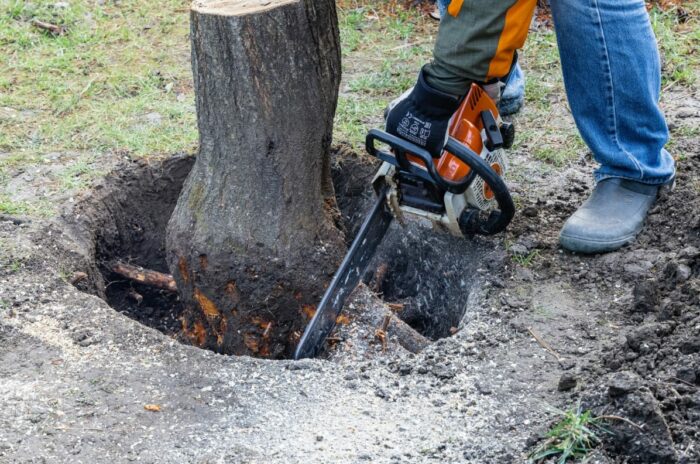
423	166
426	170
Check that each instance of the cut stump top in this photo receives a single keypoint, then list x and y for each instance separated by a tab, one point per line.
236	7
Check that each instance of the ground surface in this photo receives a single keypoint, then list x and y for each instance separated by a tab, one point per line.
77	377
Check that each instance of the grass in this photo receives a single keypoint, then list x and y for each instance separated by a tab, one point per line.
545	129
79	174
354	117
383	47
559	149
572	438
91	88
526	260
11	207
15	266
678	35
543	312
38	208
116	83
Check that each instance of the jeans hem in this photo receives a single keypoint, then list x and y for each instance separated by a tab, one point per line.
646	180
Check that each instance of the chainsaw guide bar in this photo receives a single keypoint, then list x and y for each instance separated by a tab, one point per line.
346	278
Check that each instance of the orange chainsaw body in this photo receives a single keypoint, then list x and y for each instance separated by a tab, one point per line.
466	127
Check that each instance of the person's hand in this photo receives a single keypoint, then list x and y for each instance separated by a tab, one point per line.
422	116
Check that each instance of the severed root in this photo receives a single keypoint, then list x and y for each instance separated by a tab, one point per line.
144	276
386	326
406	335
395	307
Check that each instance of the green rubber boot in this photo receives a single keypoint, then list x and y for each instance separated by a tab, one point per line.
611	217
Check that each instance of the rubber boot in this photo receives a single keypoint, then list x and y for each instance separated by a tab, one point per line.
611	217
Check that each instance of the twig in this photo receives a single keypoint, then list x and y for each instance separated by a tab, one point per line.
683	381
544	344
380	333
52	28
267	330
410	44
621	419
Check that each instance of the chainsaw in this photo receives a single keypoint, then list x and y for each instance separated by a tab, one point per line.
462	193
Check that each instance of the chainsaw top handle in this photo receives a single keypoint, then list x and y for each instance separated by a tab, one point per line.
427	171
496	222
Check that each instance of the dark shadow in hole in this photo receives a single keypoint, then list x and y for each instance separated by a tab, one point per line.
429	273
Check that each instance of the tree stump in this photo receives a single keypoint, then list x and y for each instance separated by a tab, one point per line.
251	243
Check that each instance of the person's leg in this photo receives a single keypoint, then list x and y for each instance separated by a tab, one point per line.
611	72
612	76
442	7
513	95
476	42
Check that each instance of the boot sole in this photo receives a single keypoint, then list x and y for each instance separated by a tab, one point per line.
579	245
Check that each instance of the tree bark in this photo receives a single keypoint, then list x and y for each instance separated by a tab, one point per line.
251	242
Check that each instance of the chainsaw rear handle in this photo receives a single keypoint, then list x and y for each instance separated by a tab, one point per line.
401	148
498	220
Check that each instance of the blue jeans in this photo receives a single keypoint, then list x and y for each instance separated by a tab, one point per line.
612	76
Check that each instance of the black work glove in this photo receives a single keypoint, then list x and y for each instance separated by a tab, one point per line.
422	116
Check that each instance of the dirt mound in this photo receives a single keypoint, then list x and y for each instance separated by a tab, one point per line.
661	347
649	373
